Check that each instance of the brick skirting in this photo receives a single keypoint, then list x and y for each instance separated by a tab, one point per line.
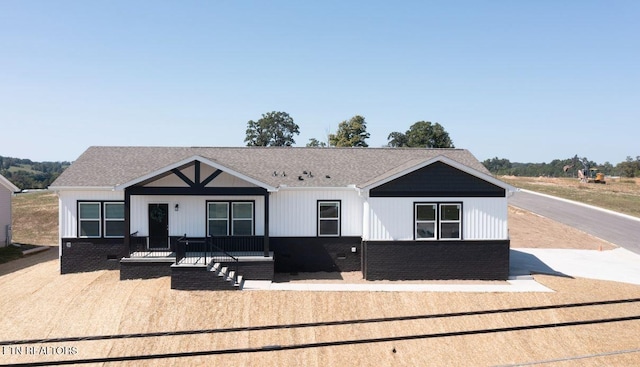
431	260
88	254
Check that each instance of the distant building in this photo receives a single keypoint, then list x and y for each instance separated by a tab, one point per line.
6	192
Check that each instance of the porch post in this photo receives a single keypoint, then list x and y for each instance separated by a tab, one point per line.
266	224
127	221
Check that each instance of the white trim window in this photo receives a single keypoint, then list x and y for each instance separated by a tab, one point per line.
426	223
437	221
114	220
218	218
242	218
450	223
89	219
328	218
235	218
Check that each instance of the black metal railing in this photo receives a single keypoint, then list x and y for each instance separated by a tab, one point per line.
217	248
245	245
139	247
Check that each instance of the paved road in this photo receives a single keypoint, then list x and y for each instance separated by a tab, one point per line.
616	229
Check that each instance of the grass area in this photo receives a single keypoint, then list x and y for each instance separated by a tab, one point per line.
22	167
35	218
619	195
9	253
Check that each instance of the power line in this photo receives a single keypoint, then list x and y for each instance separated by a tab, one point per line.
272	348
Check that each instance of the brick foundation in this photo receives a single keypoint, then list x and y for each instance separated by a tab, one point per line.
425	260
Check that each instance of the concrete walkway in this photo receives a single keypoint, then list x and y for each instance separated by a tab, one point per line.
617	265
526	284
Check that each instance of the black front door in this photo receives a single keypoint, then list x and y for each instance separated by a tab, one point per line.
158	225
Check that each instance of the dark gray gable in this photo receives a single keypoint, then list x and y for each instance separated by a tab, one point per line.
438	180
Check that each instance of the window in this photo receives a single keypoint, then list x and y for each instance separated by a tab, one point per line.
425	221
438	221
218	219
113	219
242	219
230	218
328	218
450	221
101	219
89	218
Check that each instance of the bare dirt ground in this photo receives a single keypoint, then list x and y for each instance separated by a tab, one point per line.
530	230
38	303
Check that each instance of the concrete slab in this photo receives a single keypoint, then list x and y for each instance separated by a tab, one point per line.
619	265
526	284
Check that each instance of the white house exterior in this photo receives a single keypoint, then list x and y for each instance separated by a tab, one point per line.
387	212
7	189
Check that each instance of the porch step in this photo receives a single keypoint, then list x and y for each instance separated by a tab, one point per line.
228	275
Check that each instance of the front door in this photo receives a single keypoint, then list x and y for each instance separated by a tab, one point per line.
158	225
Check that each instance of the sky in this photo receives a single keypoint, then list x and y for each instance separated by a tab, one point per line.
530	81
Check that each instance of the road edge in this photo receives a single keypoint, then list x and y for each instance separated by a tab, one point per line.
583	205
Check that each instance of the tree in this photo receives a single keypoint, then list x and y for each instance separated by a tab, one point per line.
397	139
422	134
629	168
351	133
273	129
313	142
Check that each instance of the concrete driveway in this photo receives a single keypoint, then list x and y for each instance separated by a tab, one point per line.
619	265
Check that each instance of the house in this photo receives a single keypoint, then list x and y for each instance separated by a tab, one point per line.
6	192
204	214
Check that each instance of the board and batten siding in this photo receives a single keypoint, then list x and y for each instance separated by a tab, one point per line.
5	214
392	219
293	212
68	207
191	217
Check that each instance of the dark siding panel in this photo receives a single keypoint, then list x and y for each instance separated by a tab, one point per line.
311	254
91	254
422	260
438	180
198	279
145	270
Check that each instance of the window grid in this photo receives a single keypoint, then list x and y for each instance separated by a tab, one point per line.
329	218
239	218
86	218
113	222
446	223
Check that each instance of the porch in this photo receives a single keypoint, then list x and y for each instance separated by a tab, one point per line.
200	263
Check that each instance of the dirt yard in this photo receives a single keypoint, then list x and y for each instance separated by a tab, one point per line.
39	303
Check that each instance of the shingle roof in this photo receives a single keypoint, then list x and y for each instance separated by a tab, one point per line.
329	167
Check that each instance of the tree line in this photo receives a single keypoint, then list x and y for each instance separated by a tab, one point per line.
562	167
278	129
27	174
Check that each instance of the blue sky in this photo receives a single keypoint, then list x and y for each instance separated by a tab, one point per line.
530	81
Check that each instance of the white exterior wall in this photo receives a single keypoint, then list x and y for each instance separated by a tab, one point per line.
68	207
5	213
294	213
191	217
389	219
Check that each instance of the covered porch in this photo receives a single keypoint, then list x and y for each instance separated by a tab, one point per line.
195	216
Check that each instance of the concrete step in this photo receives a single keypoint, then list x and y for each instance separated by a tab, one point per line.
215	267
231	276
223	271
239	282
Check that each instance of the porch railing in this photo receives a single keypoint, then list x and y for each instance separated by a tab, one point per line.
138	247
217	249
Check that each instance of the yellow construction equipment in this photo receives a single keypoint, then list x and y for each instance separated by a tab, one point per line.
590	174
